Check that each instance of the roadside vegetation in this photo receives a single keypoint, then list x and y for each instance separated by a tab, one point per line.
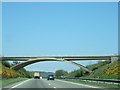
8	76
6	82
60	73
100	70
105	70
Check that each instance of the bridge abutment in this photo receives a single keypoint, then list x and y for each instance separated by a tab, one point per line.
114	59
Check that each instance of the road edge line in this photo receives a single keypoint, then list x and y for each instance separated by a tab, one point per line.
19	84
78	83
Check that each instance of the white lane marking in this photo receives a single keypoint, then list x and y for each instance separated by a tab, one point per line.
49	84
78	84
19	84
54	87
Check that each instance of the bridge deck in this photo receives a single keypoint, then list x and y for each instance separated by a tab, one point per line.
59	57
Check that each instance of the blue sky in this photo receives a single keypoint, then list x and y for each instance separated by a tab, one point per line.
40	29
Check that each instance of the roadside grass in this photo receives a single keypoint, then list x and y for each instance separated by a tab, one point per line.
6	82
105	71
99	84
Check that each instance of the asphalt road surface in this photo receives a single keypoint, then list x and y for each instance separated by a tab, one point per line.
43	83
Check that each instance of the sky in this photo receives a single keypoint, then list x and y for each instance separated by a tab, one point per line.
60	0
45	29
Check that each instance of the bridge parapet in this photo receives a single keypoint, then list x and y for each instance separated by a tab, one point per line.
70	58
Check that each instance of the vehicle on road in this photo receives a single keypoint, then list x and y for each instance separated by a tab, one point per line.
36	75
40	77
50	77
62	77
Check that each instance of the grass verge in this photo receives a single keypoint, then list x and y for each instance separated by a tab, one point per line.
6	82
99	84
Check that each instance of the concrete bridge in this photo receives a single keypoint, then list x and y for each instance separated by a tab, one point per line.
68	59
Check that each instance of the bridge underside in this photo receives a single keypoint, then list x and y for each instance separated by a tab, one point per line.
68	59
23	64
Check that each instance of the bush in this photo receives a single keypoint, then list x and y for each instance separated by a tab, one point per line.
25	73
60	73
10	73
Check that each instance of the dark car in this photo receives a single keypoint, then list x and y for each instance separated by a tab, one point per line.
50	77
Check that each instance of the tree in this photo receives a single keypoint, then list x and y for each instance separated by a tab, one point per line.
76	73
24	73
60	73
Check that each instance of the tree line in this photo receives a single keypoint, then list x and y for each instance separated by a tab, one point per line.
81	72
75	73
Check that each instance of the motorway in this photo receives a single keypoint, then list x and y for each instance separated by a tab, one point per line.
43	83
